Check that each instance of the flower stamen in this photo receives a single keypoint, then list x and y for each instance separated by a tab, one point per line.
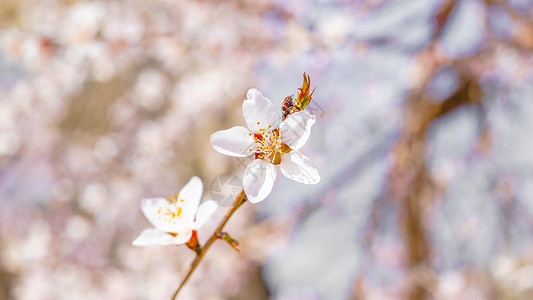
269	145
169	213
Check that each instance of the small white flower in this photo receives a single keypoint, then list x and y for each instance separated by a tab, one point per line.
175	219
272	142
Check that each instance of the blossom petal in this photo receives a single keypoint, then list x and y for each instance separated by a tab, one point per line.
237	141
191	194
152	208
295	130
258	180
153	236
205	211
183	236
259	112
298	167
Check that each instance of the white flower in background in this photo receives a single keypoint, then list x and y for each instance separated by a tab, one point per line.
272	142
175	219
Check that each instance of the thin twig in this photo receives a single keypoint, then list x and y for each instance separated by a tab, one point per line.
239	200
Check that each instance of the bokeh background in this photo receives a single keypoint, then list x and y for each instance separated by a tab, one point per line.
423	140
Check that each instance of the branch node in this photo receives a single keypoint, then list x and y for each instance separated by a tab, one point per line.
231	241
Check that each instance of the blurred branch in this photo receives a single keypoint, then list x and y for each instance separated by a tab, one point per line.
239	200
521	36
523	33
410	181
6	283
442	16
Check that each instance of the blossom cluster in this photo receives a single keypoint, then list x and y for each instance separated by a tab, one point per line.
273	139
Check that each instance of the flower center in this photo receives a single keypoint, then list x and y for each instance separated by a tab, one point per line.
172	212
270	146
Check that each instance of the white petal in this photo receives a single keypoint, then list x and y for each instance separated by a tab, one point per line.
259	109
237	141
191	194
258	180
298	167
205	211
153	209
153	237
183	236
295	130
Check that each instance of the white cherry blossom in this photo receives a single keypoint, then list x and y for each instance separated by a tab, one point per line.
176	218
272	142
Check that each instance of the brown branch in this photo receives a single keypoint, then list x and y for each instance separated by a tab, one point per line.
239	200
442	16
411	182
